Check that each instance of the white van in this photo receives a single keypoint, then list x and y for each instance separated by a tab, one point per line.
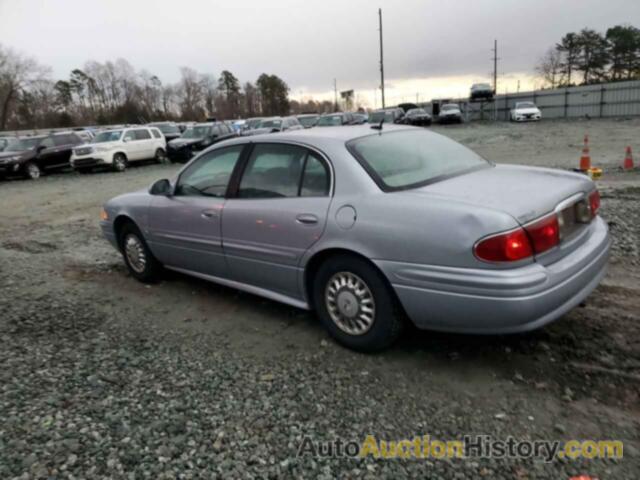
115	149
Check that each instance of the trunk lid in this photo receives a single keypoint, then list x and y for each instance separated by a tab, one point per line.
525	193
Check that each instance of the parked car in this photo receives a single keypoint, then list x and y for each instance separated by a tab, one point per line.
85	135
450	113
417	117
197	138
274	125
367	224
360	118
481	90
170	130
389	115
336	119
252	123
308	120
31	156
116	149
525	111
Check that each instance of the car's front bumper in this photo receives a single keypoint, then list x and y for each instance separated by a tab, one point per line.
527	118
94	159
10	168
182	154
500	301
109	233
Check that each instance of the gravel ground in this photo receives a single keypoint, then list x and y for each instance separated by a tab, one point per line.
103	377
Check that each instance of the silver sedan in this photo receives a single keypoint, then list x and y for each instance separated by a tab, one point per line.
371	227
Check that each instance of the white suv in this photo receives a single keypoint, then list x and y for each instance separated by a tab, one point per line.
117	148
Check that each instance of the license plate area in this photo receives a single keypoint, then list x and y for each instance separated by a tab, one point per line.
573	218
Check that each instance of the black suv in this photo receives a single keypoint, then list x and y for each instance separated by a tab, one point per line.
198	137
170	130
30	156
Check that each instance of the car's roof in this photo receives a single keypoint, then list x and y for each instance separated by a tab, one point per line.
325	135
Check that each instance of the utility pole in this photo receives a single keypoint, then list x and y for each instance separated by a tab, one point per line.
495	67
495	80
381	57
335	95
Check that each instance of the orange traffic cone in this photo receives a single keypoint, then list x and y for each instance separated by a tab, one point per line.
585	159
628	160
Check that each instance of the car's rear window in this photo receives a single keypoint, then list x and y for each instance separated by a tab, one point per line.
412	158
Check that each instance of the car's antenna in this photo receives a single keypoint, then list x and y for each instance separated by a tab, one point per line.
379	126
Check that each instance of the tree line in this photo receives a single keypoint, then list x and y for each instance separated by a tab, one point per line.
588	57
114	92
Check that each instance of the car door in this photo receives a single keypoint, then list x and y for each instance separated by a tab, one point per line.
144	143
185	228
277	212
48	153
131	145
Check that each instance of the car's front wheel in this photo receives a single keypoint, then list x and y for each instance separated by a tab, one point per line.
141	263
32	171
356	304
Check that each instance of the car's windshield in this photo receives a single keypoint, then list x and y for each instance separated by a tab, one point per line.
526	105
376	117
110	136
450	106
416	111
23	144
406	159
197	132
330	120
308	121
270	124
165	128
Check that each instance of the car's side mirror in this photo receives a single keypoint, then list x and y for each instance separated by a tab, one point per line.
126	140
162	188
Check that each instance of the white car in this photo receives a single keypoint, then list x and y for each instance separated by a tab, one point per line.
525	111
115	149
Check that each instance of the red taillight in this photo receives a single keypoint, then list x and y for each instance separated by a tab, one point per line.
594	203
504	247
544	234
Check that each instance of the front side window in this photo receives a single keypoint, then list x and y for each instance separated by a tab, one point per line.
210	174
412	158
47	143
142	134
129	136
156	133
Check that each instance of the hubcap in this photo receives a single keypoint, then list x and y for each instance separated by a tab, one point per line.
119	162
350	303
134	251
34	171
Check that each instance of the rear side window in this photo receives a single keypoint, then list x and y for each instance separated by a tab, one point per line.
156	133
142	134
412	158
281	171
273	171
315	179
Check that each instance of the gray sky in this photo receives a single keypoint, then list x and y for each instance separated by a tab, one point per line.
431	46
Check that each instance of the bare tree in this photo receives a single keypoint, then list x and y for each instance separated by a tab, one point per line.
17	72
550	68
191	94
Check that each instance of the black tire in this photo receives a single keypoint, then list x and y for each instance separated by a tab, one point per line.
32	171
119	162
147	268
161	156
387	323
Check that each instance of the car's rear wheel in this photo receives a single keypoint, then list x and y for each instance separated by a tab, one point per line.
141	263
161	156
119	162
356	304
32	171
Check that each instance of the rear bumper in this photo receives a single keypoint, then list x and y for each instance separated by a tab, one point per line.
500	301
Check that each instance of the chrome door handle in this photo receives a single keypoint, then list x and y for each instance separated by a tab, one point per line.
307	219
209	213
